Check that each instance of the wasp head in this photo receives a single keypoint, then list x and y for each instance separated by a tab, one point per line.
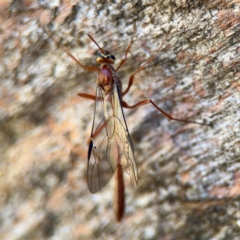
105	57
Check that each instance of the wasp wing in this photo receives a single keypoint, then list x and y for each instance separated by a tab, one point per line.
110	142
123	139
99	169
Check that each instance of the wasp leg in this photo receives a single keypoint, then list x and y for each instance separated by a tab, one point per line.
89	96
125	57
88	68
146	101
131	79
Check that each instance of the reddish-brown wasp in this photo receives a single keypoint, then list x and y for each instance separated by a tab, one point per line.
110	146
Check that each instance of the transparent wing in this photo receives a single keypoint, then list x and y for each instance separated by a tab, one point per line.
123	140
100	166
110	142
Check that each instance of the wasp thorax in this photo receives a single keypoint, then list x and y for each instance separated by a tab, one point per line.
105	79
106	57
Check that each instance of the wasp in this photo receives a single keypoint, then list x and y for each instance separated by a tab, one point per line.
110	146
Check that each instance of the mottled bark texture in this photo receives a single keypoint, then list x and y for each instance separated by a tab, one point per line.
189	174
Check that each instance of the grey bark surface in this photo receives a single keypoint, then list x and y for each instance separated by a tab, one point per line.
189	184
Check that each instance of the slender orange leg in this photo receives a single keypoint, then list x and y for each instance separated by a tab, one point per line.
88	68
131	79
92	97
128	49
146	101
99	129
125	57
88	96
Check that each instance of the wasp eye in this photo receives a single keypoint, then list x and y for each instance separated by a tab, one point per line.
112	57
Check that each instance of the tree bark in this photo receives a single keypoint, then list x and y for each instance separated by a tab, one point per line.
189	174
